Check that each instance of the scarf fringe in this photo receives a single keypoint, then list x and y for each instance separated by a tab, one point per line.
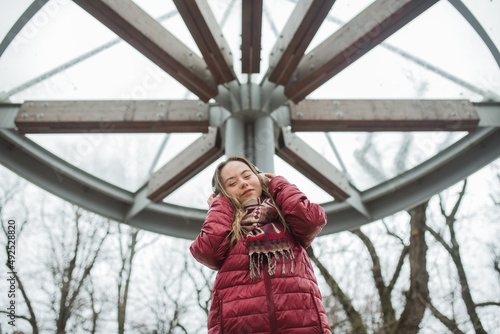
257	262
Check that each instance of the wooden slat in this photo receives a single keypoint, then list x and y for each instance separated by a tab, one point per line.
185	165
150	38
251	32
112	116
208	36
300	29
313	165
377	22
384	115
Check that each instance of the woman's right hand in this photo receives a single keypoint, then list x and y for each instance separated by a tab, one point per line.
211	198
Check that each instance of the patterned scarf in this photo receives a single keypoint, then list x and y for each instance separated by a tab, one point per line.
263	237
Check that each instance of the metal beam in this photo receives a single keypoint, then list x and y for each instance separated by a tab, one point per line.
251	32
384	115
353	40
489	112
49	172
208	36
150	38
306	160
264	142
112	116
293	41
185	165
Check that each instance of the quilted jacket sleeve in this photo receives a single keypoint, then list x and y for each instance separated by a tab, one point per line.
306	219
211	245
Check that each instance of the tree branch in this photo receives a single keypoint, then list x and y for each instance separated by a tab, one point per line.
488	304
354	317
413	312
389	315
399	266
439	238
454	252
451	324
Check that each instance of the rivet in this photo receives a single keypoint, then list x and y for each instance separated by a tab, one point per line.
336	103
454	114
39	115
159	115
469	114
300	114
340	114
45	104
24	115
311	67
30	104
161	104
199	115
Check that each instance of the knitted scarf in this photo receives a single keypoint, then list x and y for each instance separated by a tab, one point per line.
263	237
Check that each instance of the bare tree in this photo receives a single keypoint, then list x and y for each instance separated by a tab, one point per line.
9	190
413	312
453	248
202	279
406	315
353	315
99	305
127	255
72	256
130	242
167	299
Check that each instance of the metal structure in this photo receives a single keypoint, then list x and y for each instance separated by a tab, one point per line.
257	120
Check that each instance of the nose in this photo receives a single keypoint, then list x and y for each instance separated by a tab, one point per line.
243	184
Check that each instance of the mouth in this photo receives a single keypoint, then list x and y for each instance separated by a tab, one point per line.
246	192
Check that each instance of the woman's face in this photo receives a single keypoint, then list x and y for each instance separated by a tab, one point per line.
239	180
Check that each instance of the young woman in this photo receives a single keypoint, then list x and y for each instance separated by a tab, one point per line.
255	235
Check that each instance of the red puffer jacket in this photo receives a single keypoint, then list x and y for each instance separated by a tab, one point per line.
281	303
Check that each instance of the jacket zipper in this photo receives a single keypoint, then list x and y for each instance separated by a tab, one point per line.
317	311
270	302
220	314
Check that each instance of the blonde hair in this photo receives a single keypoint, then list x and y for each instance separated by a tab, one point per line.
239	211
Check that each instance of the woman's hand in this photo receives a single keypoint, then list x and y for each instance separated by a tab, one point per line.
269	176
211	198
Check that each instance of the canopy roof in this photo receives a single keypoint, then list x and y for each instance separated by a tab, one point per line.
124	107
